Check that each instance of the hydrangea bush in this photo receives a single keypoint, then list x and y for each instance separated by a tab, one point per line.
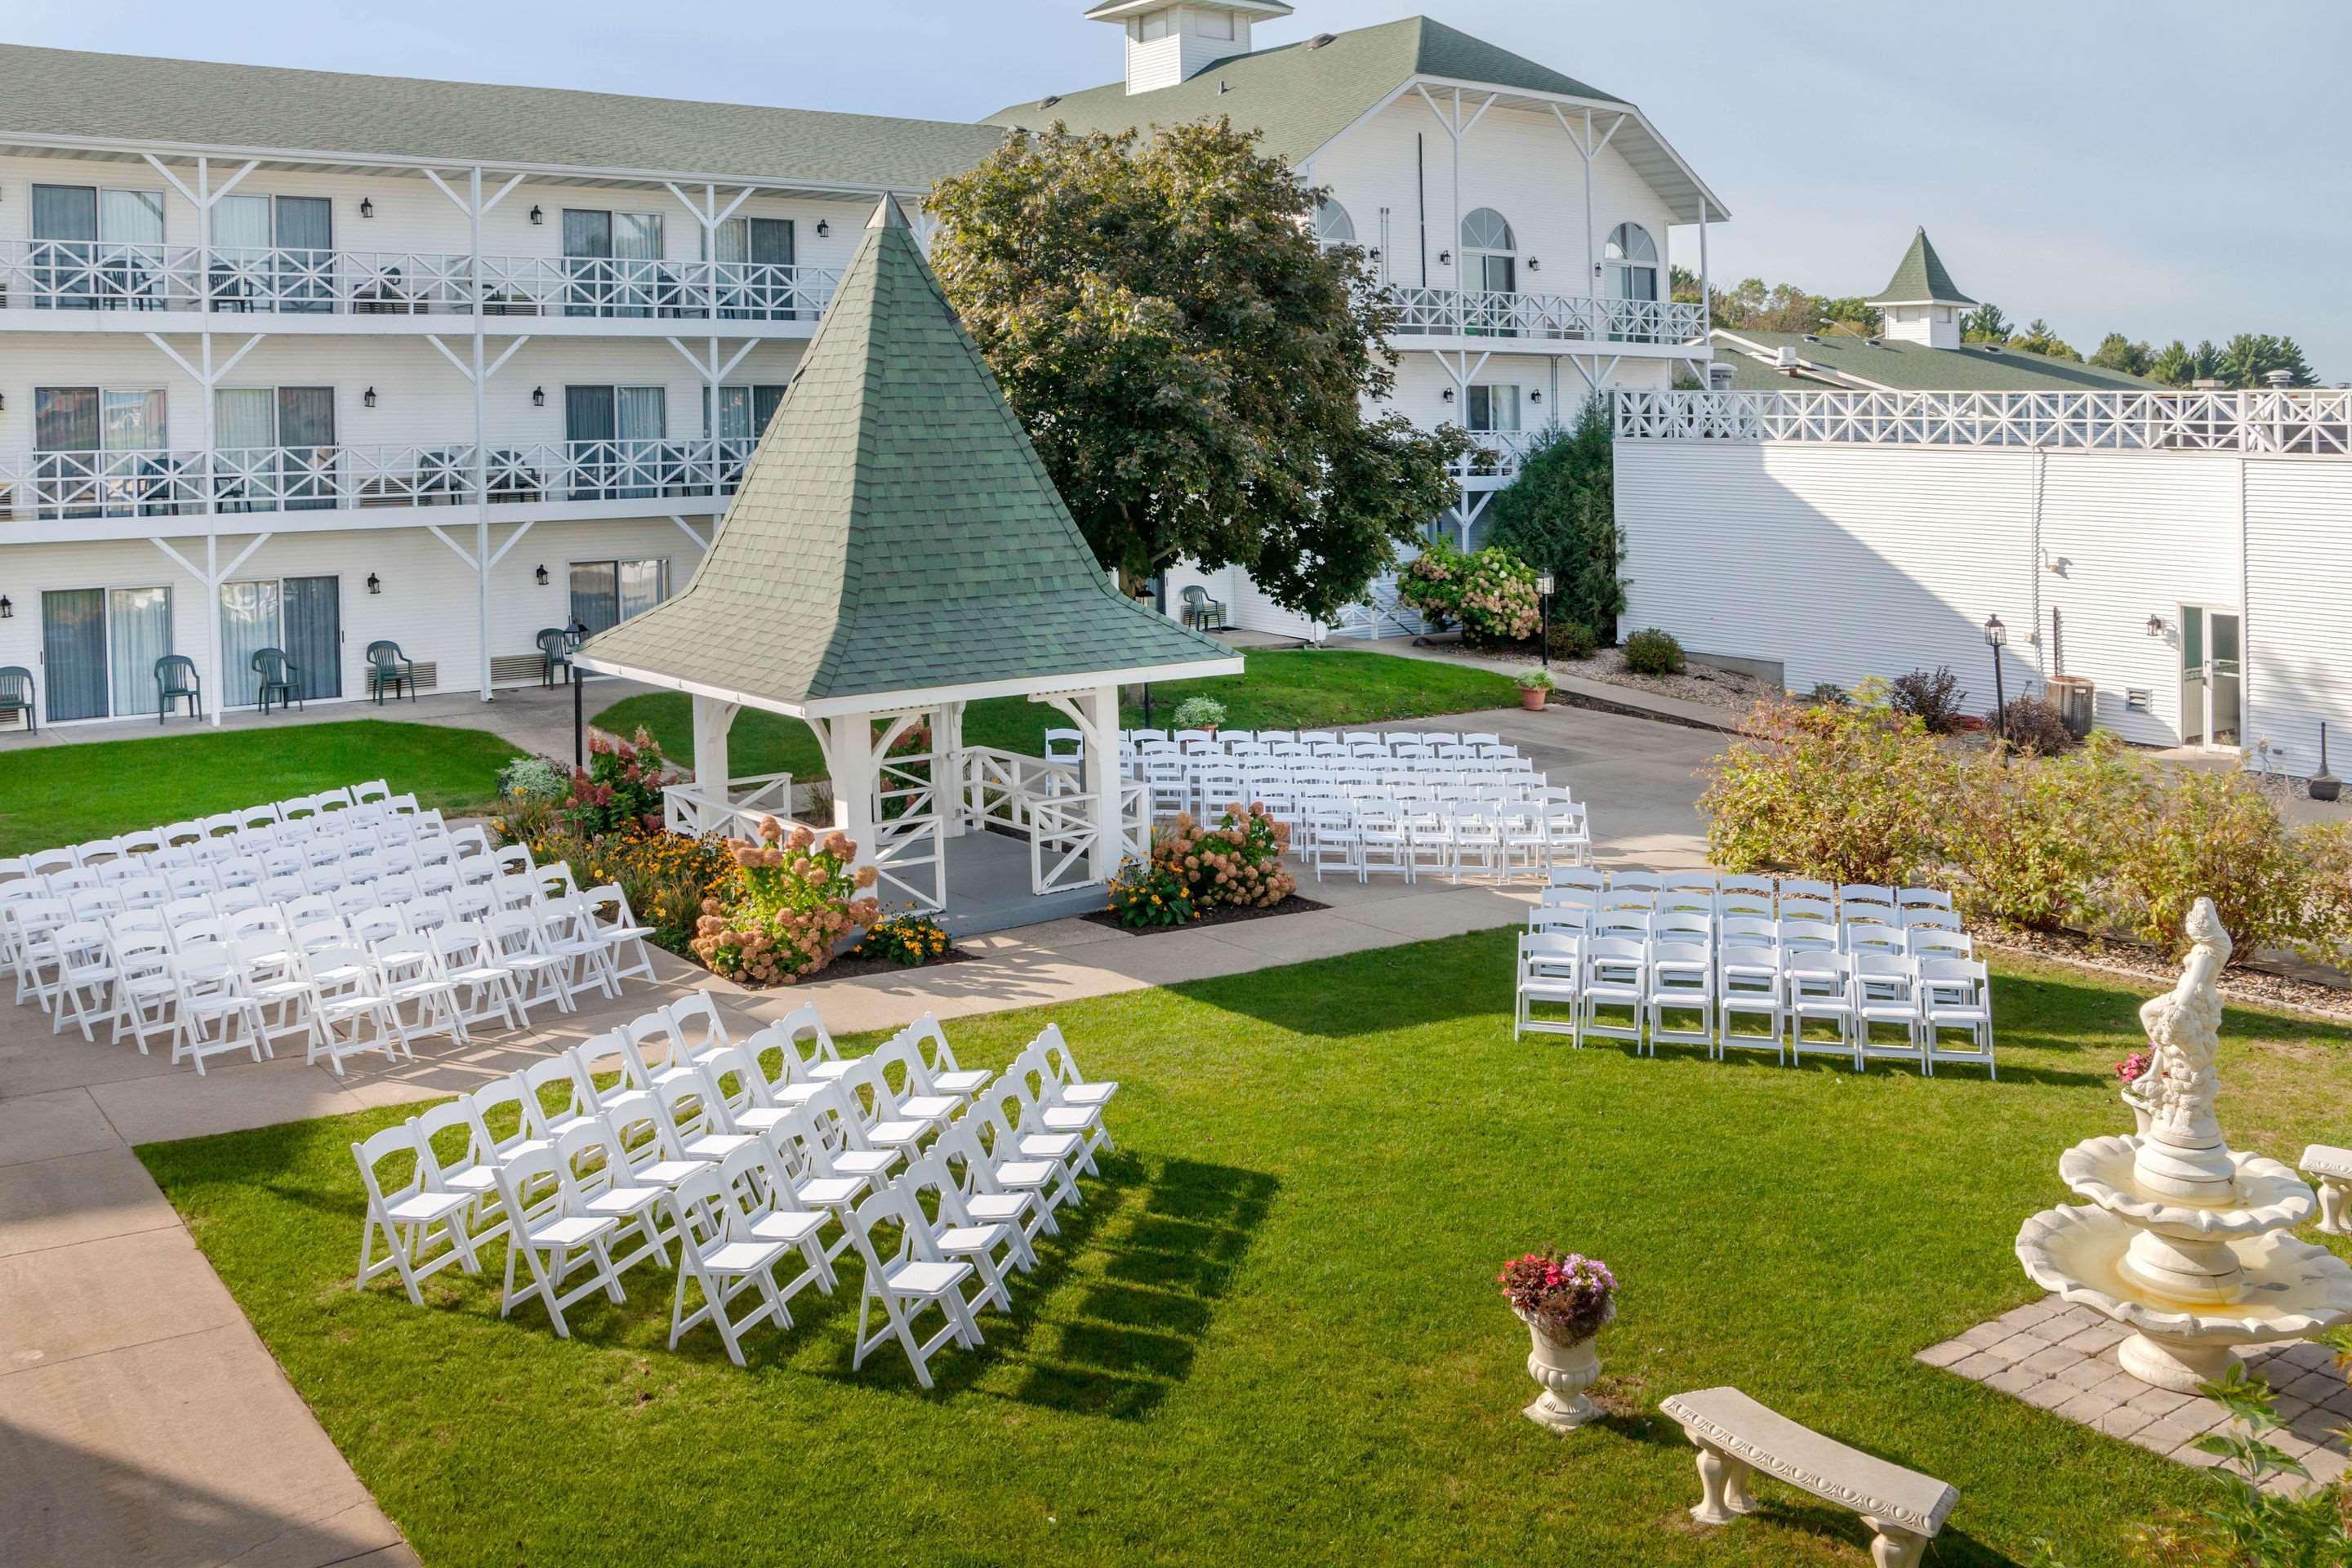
1491	595
619	789
1569	1298
794	898
1193	869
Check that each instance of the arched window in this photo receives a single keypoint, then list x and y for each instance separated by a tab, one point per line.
1490	254
1630	258
1332	225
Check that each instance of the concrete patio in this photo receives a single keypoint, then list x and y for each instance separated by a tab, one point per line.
140	1418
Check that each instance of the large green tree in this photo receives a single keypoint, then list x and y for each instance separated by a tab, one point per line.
2116	351
1562	513
1199	375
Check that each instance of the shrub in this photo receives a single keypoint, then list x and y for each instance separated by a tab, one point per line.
2217	836
906	939
1562	512
1829	694
1846	794
620	788
532	778
1199	713
1193	870
2031	844
1571	639
1932	697
1431	584
2031	726
1653	652
793	897
1498	599
1570	1298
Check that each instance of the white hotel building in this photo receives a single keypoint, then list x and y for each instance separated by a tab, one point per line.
309	360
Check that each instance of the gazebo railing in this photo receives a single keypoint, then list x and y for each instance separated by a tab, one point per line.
736	810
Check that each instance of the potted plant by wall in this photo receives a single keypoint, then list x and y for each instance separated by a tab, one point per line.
1534	689
2131	1069
1200	713
1564	1302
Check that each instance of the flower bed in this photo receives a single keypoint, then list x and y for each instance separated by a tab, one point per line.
1194	870
794	899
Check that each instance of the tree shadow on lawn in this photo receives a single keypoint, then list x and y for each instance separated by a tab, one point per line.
1113	1319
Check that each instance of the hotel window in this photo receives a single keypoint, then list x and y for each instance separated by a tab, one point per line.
755	284
277	447
615	434
743	411
100	450
606	593
98	648
1630	261
612	265
96	248
1490	258
280	249
1493	408
301	617
1333	226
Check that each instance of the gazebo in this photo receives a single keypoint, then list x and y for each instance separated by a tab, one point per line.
896	550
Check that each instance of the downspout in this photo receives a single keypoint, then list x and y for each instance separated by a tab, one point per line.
1420	193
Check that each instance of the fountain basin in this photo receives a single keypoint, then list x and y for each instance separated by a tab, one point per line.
2265	1194
2282	1288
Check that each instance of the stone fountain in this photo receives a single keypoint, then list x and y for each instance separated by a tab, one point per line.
2184	1240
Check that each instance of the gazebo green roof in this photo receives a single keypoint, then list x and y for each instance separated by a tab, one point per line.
896	534
1920	279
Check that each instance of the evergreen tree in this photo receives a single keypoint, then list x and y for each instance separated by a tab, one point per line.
2174	365
2038	339
1560	514
2116	351
1985	324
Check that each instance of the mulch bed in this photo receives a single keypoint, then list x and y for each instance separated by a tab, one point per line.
851	968
1228	915
2255	984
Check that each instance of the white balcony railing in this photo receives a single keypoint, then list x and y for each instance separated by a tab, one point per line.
93	275
50	486
1500	454
2301	423
1454	312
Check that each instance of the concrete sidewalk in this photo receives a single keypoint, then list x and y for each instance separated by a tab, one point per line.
143	1421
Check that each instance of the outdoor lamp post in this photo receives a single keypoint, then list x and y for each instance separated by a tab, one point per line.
1997	638
1543	604
575	634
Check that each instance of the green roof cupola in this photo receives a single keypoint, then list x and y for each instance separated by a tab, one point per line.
1920	302
1169	41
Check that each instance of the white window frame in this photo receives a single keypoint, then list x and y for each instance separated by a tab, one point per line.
1617	269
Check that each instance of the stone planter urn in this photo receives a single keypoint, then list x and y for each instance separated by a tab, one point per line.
1564	1371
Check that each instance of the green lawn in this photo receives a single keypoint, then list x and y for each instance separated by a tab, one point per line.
1271	1336
62	795
1283	688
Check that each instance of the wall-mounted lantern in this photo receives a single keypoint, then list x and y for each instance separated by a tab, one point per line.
541	575
1446	258
537	216
2156	626
374	583
823	228
367	206
368	397
1446	396
538	397
7	609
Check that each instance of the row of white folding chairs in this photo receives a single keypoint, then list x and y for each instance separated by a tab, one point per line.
476	883
356	803
1658	991
419	840
1495	842
1773	889
1639	912
1181	739
374	980
744	1179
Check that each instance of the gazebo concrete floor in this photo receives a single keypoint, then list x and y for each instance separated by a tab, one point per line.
988	888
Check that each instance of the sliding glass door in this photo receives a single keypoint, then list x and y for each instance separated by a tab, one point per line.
100	450
98	648
755	254
606	593
300	617
611	260
95	248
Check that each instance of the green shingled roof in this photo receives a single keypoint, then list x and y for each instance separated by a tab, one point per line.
199	103
894	531
1837	360
1300	96
1920	279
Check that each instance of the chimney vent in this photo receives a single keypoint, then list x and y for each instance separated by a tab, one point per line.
1050	99
1718	378
2280	380
1785	357
1319	40
1812	337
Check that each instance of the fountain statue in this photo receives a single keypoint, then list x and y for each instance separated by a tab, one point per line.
2185	1241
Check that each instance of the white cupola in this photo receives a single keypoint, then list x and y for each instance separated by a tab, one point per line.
1919	304
1169	41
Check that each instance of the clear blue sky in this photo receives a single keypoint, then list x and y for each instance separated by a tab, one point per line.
2159	168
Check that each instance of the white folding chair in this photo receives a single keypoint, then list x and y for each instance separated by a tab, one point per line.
1681	985
906	1274
409	1213
1887	996
550	1229
720	1257
1552	967
1747	985
1819	984
1956	993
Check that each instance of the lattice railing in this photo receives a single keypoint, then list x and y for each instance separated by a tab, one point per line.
97	275
1454	312
50	485
2300	422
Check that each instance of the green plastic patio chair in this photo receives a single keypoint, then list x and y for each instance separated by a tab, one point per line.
388	667
1200	611
17	696
554	654
275	675
177	681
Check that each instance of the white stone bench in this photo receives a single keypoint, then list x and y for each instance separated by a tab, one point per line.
1737	1437
2330	1170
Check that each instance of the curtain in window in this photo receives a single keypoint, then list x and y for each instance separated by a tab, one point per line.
73	655
314	634
249	622
65	419
65	226
306	428
734	413
304	259
244	417
138	633
65	212
588	428
642	420
643	585
766	399
241	223
595	593
130	217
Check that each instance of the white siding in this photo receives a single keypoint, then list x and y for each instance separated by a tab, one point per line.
2299	610
1838	562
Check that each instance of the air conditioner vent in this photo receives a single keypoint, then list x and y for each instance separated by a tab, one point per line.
2138	700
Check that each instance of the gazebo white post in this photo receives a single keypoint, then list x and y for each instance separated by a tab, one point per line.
1099	712
712	719
947	768
853	780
